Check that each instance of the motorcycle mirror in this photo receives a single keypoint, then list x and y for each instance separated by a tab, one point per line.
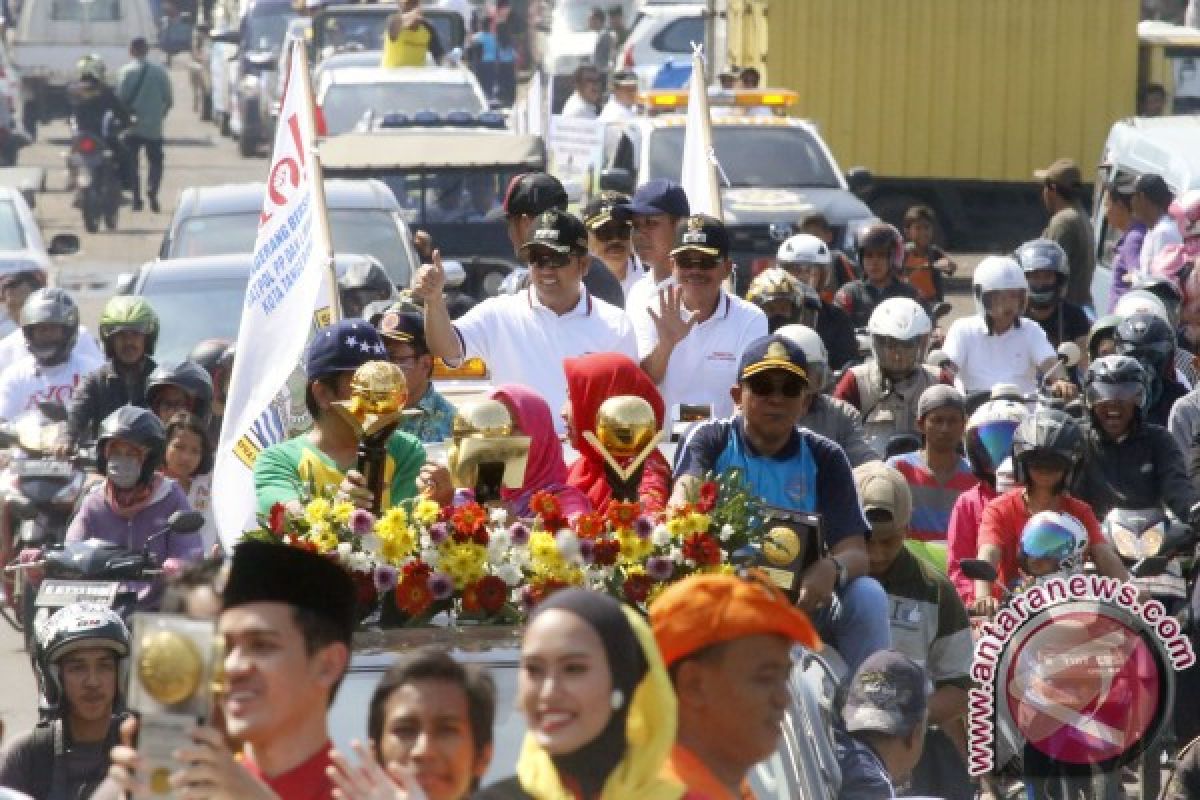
8	437
55	412
977	569
185	522
1069	353
1149	567
940	310
456	274
902	443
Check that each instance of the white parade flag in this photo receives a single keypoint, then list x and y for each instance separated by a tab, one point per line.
699	175
290	289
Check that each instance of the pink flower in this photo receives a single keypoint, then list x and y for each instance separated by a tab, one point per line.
386	578
441	585
361	521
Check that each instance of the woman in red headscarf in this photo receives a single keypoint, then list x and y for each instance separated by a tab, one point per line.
592	379
545	471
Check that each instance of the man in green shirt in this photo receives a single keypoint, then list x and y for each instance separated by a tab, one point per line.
325	456
144	89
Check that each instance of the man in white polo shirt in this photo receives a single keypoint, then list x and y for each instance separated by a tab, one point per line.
524	337
691	338
656	209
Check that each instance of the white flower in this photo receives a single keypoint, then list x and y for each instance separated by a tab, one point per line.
676	554
661	537
510	574
726	532
345	549
499	516
430	555
568	544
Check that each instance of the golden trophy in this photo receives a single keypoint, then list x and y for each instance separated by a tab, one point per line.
485	455
626	433
374	410
792	541
174	666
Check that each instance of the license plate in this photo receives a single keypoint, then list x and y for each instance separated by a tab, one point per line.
1165	585
56	594
43	469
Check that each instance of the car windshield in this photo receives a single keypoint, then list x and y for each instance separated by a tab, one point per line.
361	30
766	157
366	231
176	303
451	197
576	13
12	235
92	10
265	32
345	104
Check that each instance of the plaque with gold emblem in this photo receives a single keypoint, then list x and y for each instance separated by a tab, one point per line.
790	543
171	686
626	433
487	452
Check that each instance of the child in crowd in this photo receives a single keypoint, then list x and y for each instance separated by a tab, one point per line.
926	265
189	461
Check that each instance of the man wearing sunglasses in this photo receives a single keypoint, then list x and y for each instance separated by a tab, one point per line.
691	337
524	337
794	469
610	232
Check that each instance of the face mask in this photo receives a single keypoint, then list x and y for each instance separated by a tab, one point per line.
1043	299
124	471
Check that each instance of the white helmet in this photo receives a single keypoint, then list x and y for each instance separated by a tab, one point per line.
1054	535
989	434
903	320
815	353
1140	301
995	274
804	248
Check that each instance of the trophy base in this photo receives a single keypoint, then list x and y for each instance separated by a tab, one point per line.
159	736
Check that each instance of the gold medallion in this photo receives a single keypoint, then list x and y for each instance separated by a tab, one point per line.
160	781
781	546
170	667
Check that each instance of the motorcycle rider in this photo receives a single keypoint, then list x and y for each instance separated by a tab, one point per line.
784	299
184	386
96	109
54	367
1150	341
881	256
1102	338
1130	461
129	332
811	261
216	356
885	390
1047	272
81	657
361	282
15	287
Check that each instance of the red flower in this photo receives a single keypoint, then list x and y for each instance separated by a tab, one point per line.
606	552
468	520
277	519
589	526
545	505
416	570
623	515
413	596
703	549
708	497
364	587
637	588
493	593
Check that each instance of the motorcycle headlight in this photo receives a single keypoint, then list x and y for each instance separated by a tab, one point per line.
1152	539
1126	541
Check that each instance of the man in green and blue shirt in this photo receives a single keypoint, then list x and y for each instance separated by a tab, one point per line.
403	335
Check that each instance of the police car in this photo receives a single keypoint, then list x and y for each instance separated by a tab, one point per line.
775	170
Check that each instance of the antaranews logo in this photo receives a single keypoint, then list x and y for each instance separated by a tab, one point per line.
1077	668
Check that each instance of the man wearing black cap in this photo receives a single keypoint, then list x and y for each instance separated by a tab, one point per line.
525	337
325	456
792	468
622	103
690	338
528	196
1062	189
656	210
609	238
1151	199
403	334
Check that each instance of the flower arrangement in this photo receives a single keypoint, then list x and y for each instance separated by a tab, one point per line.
478	564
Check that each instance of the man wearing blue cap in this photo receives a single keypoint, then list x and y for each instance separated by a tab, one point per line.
795	469
325	456
656	209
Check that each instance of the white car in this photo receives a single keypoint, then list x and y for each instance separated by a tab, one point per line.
22	248
662	33
345	96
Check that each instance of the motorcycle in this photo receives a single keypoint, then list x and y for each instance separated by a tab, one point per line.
40	492
93	160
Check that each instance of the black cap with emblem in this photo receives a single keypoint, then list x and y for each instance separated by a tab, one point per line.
702	234
558	231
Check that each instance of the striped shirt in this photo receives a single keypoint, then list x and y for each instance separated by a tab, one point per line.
932	499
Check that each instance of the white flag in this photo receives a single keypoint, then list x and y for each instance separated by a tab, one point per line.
291	264
535	109
699	175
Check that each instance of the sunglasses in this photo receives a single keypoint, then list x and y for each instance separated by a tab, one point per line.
548	260
765	385
694	262
612	233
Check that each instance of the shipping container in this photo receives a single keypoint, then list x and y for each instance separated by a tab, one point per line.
951	102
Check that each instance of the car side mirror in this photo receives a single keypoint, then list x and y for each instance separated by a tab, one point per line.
64	244
617	179
859	179
977	569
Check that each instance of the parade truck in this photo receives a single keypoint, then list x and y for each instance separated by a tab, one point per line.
955	103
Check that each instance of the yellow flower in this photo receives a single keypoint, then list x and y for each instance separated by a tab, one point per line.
463	562
317	511
394	522
427	511
697	522
678	526
342	511
633	549
323	537
396	539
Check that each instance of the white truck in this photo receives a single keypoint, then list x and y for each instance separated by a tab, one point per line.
52	35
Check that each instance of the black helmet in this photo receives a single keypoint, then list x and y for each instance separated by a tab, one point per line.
1150	340
881	236
362	280
51	307
1116	378
75	627
1167	291
1047	432
1045	254
189	376
137	426
209	353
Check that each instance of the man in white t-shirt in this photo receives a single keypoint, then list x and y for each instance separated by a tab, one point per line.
622	103
691	337
52	370
524	337
609	238
997	345
1151	199
655	211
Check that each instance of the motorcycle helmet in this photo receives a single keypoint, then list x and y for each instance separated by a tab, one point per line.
996	274
814	353
1141	301
775	286
1116	378
882	236
138	426
76	627
804	248
51	306
188	376
1047	434
362	281
1168	292
899	321
1053	535
1151	341
1044	255
216	356
989	435
91	67
128	313
1102	329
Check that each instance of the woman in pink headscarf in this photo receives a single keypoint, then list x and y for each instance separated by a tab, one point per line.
545	470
